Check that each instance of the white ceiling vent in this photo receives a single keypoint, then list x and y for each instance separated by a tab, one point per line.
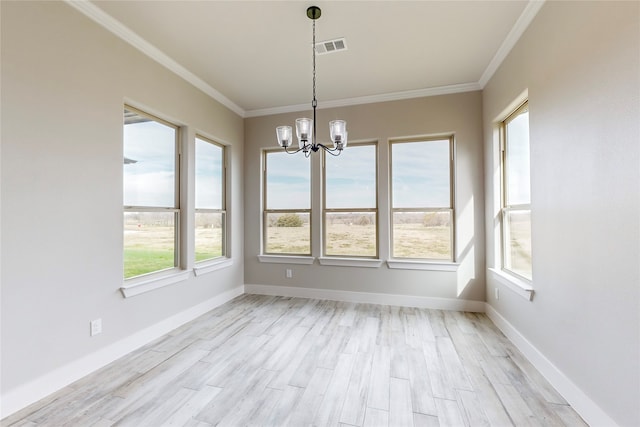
331	46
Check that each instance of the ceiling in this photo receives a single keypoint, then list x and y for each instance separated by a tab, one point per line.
256	58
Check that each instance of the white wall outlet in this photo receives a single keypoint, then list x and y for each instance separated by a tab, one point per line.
96	327
497	293
289	273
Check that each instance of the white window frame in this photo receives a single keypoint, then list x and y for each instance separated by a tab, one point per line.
222	210
268	256
439	263
326	211
146	278
505	206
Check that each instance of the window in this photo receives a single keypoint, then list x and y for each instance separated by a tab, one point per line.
151	194
350	202
210	214
516	194
287	204
422	199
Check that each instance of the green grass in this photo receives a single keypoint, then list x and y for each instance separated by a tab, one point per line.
204	255
143	261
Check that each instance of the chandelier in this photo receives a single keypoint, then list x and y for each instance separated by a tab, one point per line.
306	128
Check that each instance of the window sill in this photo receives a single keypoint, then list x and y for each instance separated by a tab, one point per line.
519	286
286	259
213	265
141	285
423	265
350	262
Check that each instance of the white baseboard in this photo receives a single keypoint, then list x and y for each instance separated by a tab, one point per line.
578	400
368	297
26	394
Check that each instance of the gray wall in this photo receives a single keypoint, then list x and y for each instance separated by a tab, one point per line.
64	82
580	64
459	114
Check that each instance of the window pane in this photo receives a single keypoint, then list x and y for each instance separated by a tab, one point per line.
209	241
288	233
422	235
351	178
288	181
149	162
149	242
209	175
352	234
421	176
517	238
517	161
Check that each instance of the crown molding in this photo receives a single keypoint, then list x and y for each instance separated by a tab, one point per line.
385	97
129	36
120	30
530	11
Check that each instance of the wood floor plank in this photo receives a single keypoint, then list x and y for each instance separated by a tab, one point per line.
226	371
334	397
453	367
424	326
399	363
367	334
436	318
355	400
337	342
421	392
269	401
284	407
298	356
246	404
192	406
400	409
376	418
471	409
384	326
441	385
569	416
422	420
542	385
40	410
157	414
309	362
276	361
380	375
249	378
449	414
488	398
311	399
411	332
286	350
515	405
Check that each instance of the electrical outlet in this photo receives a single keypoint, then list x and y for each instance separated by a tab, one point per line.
96	327
289	273
497	293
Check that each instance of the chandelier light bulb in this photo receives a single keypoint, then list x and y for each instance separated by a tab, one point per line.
337	132
304	129
284	135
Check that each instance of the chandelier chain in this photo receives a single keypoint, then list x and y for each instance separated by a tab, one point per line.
313	51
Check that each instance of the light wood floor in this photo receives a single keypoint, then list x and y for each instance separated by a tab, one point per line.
275	361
